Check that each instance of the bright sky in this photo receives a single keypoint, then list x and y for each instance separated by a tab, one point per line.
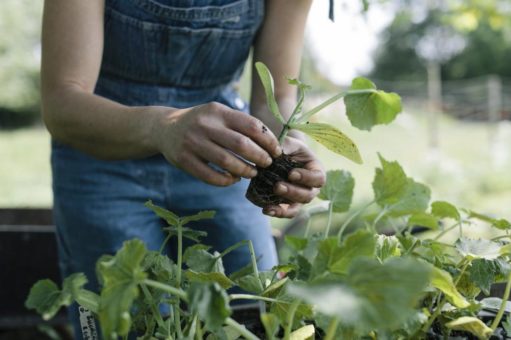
343	49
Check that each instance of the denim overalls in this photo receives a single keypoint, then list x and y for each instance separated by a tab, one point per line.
176	53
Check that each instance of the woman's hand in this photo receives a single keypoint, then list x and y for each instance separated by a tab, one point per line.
303	183
191	138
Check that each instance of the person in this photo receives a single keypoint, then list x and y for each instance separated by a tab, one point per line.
141	102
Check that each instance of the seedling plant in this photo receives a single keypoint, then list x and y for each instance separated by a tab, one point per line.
357	285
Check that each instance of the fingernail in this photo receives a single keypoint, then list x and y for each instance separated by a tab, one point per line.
253	173
295	176
281	188
271	213
277	151
268	161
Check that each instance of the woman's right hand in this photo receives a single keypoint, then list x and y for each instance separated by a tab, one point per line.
191	138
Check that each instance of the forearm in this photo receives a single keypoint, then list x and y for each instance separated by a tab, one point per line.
100	127
279	45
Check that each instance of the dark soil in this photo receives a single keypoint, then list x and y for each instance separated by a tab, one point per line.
260	191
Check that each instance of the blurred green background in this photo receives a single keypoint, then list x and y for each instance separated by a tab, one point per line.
448	59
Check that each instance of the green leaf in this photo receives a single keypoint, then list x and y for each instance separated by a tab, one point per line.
444	209
170	217
366	110
274	289
159	267
202	215
414	200
296	243
424	220
46	298
483	273
374	295
338	189
442	280
472	325
271	325
198	259
281	309
217	277
121	276
191	234
250	283
478	249
267	81
210	302
390	183
245	270
331	138
506	324
337	259
302	88
497	223
303	333
393	288
387	246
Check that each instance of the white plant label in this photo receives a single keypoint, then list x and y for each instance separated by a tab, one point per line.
87	324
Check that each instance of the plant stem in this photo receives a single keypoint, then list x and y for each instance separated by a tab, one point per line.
435	314
283	133
445	231
379	217
330	213
253	258
440	305
290	317
254	297
166	288
254	264
305	117
500	237
155	311
348	221
308	227
242	329
502	308
165	242
177	313
332	328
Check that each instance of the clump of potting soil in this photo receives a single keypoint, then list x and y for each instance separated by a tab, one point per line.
261	188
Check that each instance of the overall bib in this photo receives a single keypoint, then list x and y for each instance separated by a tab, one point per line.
176	53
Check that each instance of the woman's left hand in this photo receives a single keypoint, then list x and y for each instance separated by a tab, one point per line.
303	183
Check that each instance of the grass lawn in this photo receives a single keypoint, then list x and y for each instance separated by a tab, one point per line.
466	169
25	177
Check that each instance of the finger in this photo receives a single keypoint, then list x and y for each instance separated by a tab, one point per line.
309	178
196	167
255	130
224	159
283	210
295	193
240	145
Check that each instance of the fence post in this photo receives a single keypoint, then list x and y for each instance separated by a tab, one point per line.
494	105
435	101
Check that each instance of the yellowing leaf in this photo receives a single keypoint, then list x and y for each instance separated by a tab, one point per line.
472	325
303	333
331	138
442	280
